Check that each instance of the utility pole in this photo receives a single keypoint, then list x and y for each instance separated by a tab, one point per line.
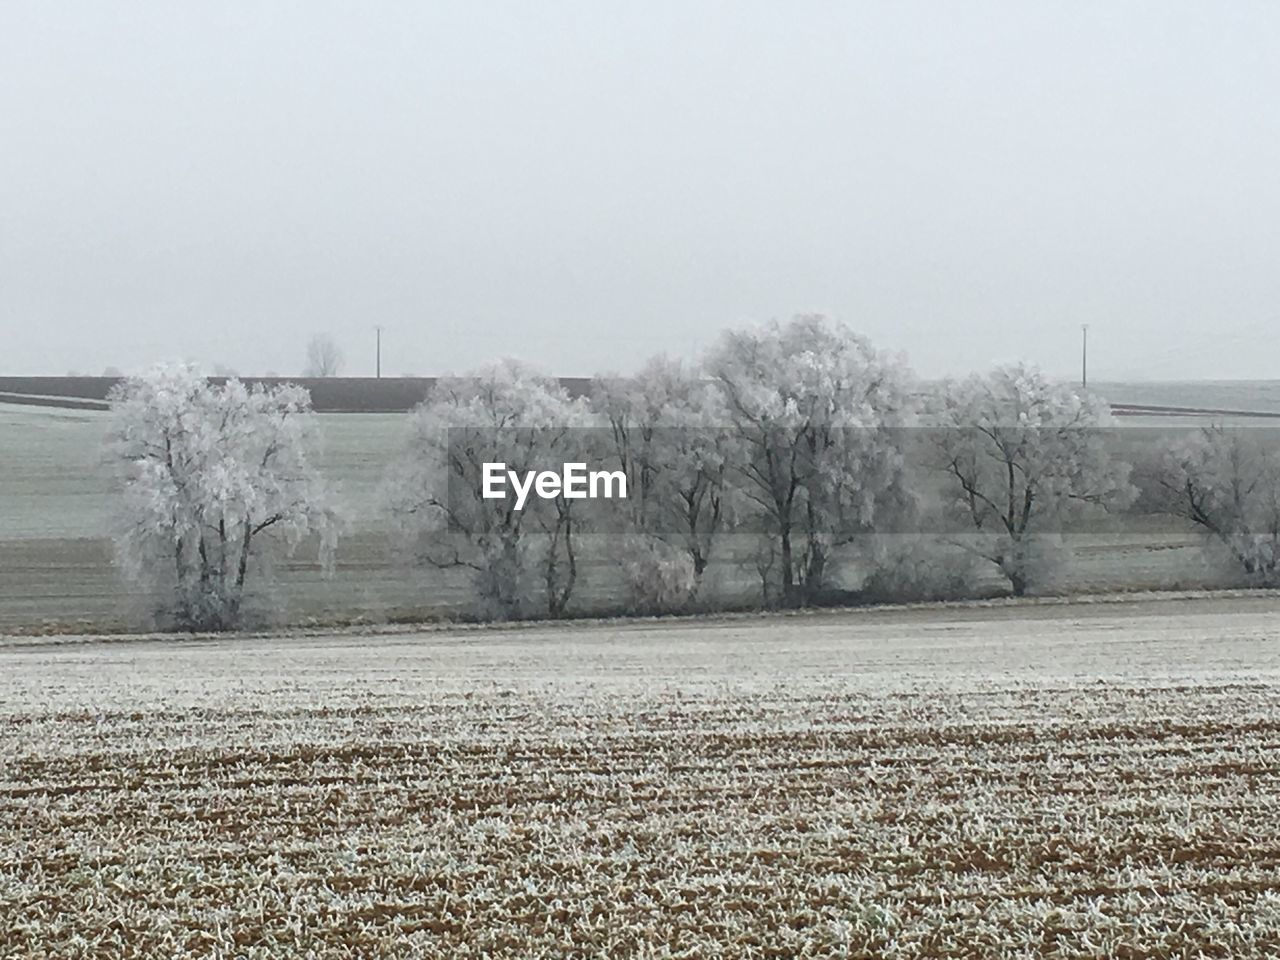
378	367
1084	356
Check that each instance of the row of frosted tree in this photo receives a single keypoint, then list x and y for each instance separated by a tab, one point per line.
794	455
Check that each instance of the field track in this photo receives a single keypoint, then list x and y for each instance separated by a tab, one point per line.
1074	780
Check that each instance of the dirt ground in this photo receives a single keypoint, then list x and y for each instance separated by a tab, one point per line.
1097	780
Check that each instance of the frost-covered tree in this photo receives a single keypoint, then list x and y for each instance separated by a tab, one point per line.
212	480
1020	454
503	414
812	409
324	357
1227	482
666	430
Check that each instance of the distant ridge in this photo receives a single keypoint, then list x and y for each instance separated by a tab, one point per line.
1149	410
1208	398
328	394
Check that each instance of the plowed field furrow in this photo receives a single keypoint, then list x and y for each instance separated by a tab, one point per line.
1105	786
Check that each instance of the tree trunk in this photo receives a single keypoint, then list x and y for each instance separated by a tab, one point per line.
790	595
242	569
558	592
572	579
508	586
699	565
815	571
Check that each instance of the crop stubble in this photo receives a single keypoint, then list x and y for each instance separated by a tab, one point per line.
1076	782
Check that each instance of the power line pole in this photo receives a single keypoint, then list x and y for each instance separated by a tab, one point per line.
378	367
1084	356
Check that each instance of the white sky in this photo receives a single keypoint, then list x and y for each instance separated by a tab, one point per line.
583	184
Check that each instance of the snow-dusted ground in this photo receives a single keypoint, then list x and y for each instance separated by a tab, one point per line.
55	560
989	780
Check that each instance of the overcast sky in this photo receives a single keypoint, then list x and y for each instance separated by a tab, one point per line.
583	184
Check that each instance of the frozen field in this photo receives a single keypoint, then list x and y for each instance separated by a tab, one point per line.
55	559
55	505
1261	396
1071	780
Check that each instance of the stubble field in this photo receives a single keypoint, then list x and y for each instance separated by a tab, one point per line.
1065	780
